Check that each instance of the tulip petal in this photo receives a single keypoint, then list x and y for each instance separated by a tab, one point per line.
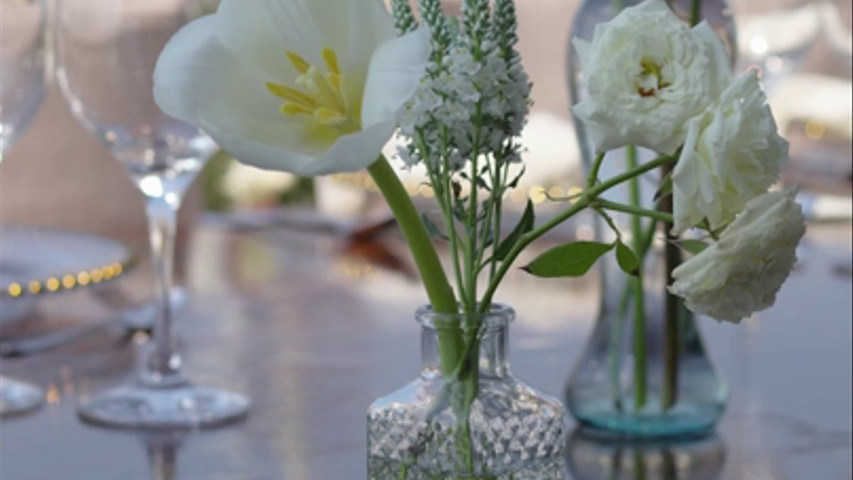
214	73
352	153
194	69
263	155
395	72
260	32
199	82
370	26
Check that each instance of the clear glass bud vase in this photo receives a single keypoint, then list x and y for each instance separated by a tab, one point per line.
643	373
510	431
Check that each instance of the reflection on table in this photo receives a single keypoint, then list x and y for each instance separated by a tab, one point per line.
313	333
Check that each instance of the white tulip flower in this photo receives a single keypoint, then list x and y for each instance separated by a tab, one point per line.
742	273
309	87
733	153
647	73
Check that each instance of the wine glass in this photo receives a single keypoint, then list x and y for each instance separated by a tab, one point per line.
22	78
106	53
22	87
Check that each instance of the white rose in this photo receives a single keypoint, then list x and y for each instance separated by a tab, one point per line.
732	154
742	273
647	74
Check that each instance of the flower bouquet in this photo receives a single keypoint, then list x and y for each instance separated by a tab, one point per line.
315	87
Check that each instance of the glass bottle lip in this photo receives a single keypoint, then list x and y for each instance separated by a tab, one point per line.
498	317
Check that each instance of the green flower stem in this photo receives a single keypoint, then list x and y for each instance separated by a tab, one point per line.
642	212
470	303
500	175
439	291
596	168
624	302
640	377
672	258
469	381
695	12
616	333
583	202
447	210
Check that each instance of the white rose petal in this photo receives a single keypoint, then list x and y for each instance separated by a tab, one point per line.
732	154
647	73
742	273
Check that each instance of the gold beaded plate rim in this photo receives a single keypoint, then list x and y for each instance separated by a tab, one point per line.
115	262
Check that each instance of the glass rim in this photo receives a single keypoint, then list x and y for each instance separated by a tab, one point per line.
498	317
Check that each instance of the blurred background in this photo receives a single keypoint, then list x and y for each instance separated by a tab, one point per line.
58	175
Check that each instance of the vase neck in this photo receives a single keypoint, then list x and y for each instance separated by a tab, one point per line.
484	336
492	356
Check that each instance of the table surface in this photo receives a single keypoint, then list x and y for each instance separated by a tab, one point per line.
314	329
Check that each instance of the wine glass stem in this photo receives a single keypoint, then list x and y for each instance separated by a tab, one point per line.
163	364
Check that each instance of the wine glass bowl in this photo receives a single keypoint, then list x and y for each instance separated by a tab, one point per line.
22	55
106	55
107	52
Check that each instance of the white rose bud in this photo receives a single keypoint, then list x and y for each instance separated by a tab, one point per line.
647	74
732	154
742	273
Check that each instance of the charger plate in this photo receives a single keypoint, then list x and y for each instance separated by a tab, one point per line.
36	262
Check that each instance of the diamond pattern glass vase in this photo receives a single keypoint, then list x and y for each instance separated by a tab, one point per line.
505	430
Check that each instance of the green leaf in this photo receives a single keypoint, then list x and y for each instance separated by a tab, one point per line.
571	260
693	246
627	260
528	220
432	228
514	182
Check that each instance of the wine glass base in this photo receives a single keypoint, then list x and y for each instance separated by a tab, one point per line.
17	398
183	407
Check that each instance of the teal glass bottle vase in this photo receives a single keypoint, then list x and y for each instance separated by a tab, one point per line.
639	376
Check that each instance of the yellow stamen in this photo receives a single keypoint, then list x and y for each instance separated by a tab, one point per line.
650	68
292	110
337	80
324	92
319	99
331	59
291	94
298	62
328	116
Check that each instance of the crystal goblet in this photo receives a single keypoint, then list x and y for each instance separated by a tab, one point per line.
106	53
